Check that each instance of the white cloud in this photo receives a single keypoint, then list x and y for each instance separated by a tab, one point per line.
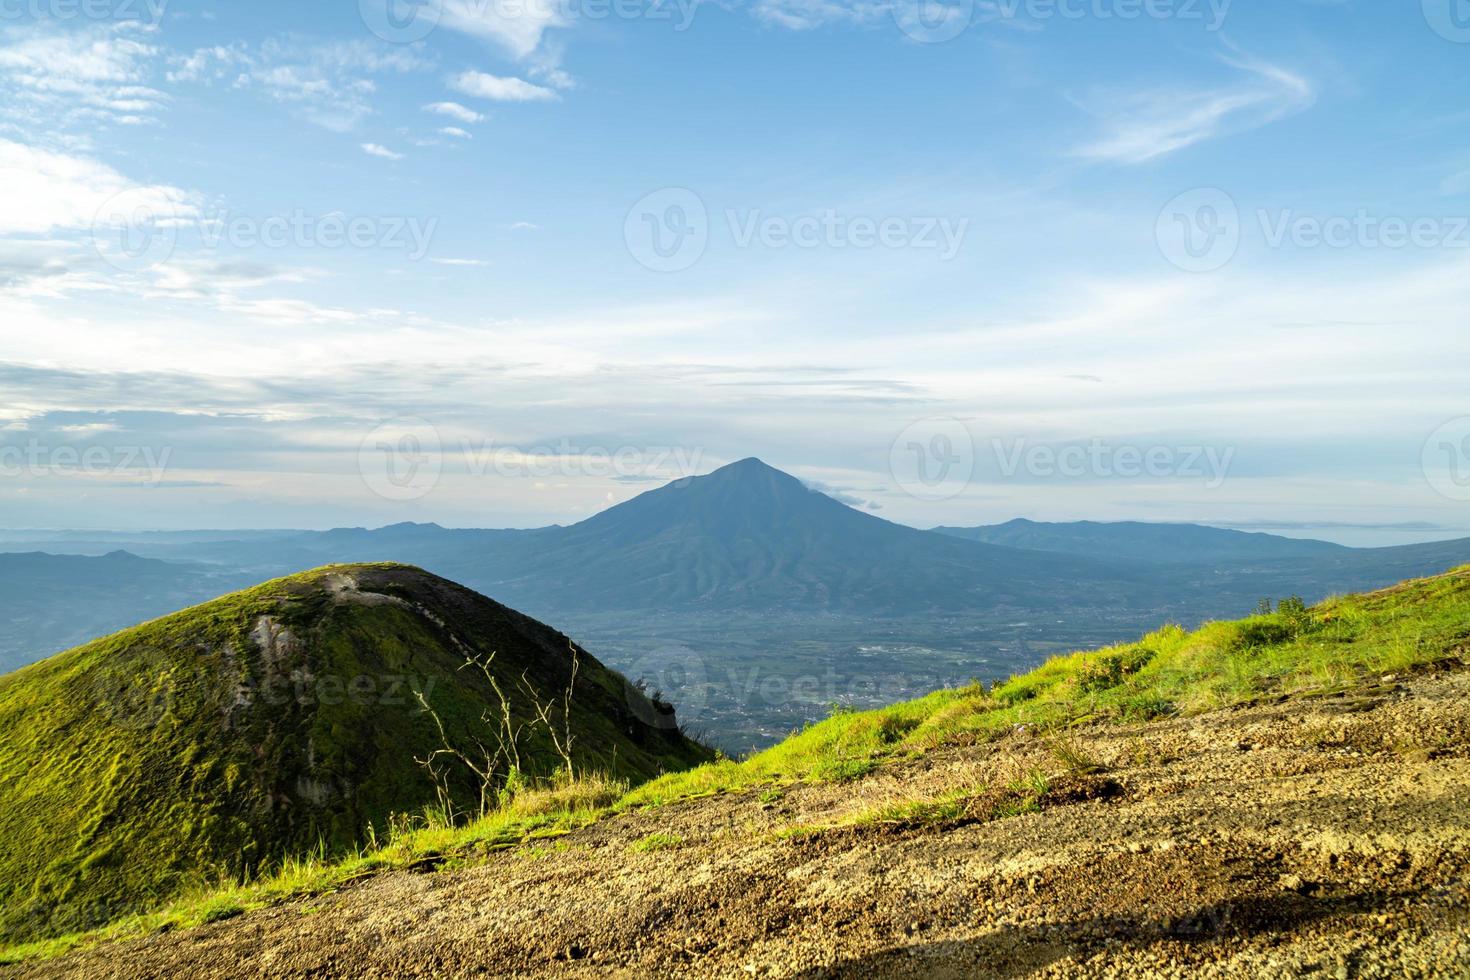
455	111
375	150
42	192
518	29
59	78
327	84
208	64
455	132
1144	126
481	85
467	263
804	15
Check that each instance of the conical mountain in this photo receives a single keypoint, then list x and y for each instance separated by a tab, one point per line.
749	536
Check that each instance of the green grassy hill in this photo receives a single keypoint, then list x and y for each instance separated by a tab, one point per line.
212	744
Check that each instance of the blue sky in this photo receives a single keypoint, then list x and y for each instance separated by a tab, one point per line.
522	260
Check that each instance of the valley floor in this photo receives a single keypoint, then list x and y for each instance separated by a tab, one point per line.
1326	838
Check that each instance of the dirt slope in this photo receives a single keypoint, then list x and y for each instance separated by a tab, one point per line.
1326	838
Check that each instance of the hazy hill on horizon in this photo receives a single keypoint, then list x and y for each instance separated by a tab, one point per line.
1151	542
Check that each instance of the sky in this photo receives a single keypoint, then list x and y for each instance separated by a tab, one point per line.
509	262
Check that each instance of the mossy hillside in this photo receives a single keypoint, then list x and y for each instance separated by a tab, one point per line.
211	744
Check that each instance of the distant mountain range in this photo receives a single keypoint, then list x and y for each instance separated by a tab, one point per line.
52	602
1150	543
751	538
734	565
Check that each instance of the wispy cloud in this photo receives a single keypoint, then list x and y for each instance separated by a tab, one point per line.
483	86
329	84
455	132
377	150
455	111
99	74
1143	126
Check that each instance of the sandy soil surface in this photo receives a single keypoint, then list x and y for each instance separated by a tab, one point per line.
1324	838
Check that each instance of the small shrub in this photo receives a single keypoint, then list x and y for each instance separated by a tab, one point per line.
590	791
893	728
1074	758
1263	633
1108	670
843	770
